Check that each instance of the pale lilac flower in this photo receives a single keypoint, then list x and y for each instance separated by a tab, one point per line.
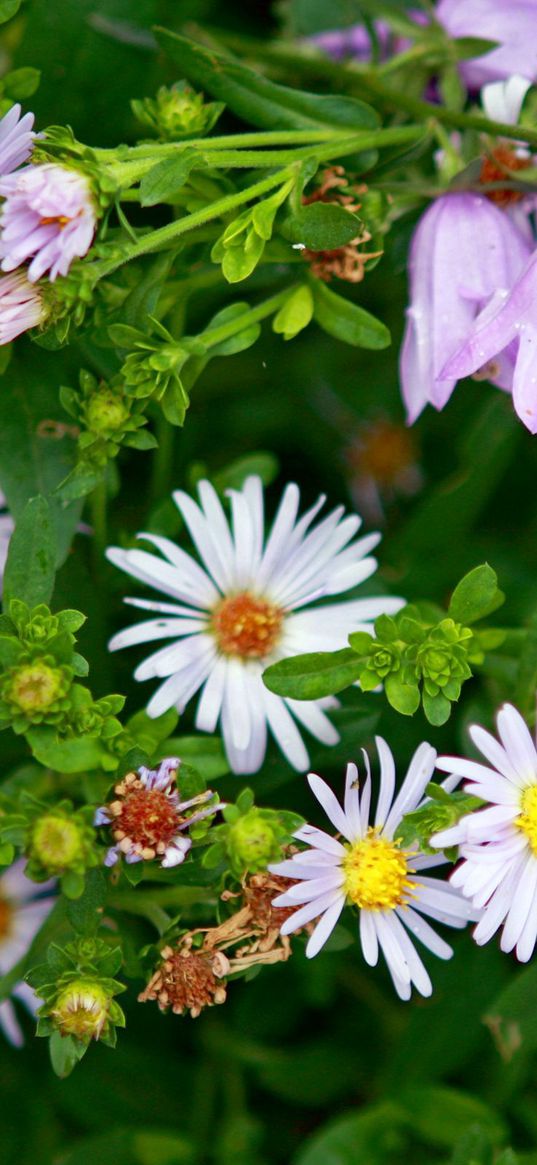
48	216
245	610
21	306
354	42
147	819
463	249
506	331
7	527
511	23
24	906
498	844
370	869
16	139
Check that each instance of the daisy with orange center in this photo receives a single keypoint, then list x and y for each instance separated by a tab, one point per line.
253	601
368	867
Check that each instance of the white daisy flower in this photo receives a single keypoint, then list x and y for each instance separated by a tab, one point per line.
244	609
370	869
498	844
22	913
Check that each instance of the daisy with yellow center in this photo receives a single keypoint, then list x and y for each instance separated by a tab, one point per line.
498	844
252	601
370	869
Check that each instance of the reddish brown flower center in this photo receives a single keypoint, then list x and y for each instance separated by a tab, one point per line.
246	626
496	167
147	817
186	981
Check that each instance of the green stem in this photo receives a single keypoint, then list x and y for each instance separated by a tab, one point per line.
217	335
154	240
162	458
229	141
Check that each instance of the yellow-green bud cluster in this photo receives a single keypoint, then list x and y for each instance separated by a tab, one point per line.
177	112
250	838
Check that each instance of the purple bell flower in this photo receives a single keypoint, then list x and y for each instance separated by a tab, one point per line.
463	249
512	23
507	328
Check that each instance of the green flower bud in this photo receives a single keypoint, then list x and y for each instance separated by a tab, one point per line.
56	842
177	112
252	841
82	1009
36	687
106	412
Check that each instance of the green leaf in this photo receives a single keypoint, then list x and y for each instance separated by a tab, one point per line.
360	641
309	677
255	99
164	181
405	698
472	46
346	321
30	566
8	9
244	336
240	259
20	84
439	1115
85	911
437	708
476	596
69	756
205	753
295	314
512	1018
37	447
65	1053
322	226
374	1136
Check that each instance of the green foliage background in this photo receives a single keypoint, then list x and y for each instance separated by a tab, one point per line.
318	1063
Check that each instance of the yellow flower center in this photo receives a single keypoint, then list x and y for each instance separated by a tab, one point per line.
247	626
527	821
376	873
35	687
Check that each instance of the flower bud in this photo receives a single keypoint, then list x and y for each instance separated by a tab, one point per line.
106	412
56	842
82	1009
35	687
252	841
177	112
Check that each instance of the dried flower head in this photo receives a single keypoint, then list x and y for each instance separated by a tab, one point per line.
188	979
348	262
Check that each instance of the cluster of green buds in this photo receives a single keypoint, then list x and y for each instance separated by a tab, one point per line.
417	661
77	986
250	838
241	245
154	365
441	811
58	841
108	418
38	665
38	692
421	655
177	112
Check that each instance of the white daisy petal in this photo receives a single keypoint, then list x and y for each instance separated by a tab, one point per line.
311	910
330	804
324	927
369	938
387	781
419	774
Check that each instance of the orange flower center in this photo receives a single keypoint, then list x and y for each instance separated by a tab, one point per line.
383	452
246	626
495	168
148	818
6	913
